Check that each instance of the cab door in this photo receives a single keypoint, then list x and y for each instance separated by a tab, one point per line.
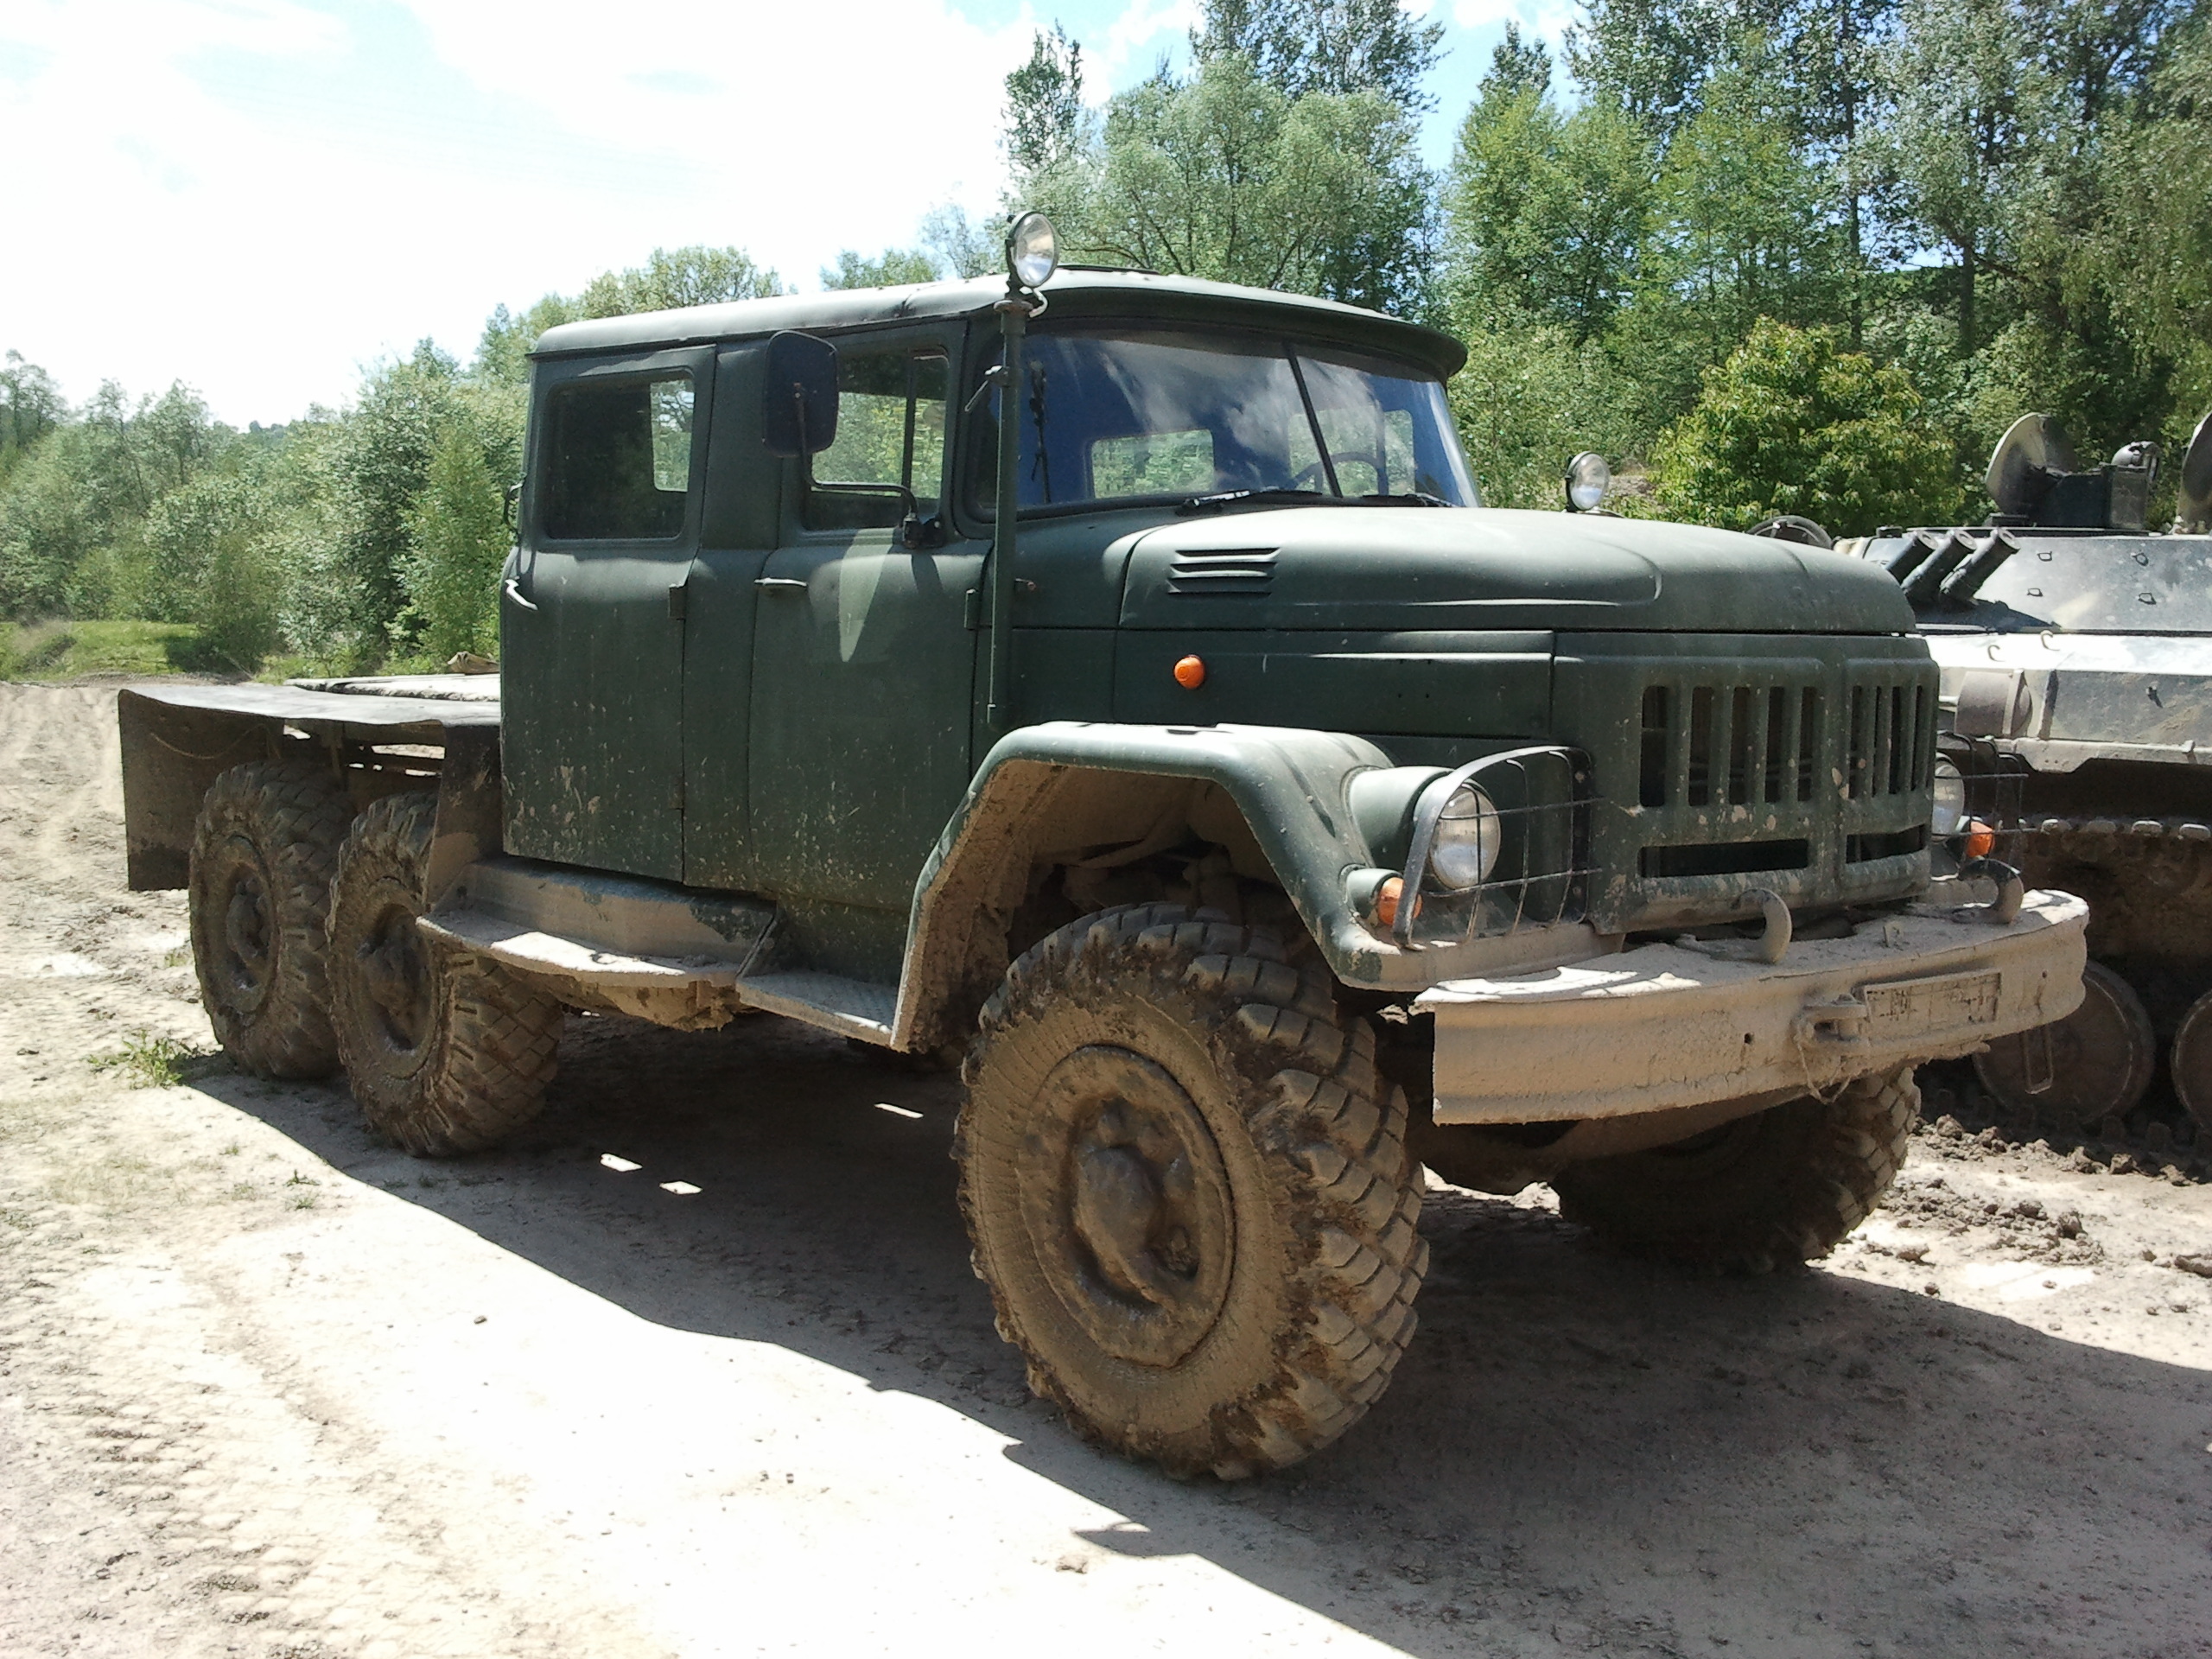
863	659
591	613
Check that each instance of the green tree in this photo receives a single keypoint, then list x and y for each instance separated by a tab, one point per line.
961	246
1794	421
352	598
2154	239
1742	228
30	407
503	349
1333	46
72	513
1972	119
209	561
892	268
672	278
458	540
1530	397
1226	177
1545	214
1045	124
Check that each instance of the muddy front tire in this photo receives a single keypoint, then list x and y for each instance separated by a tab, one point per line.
446	1053
263	855
1785	1185
1188	1192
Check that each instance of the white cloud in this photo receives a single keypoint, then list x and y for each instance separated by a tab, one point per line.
1135	38
246	194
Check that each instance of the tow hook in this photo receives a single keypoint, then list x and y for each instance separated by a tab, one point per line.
1767	948
2011	891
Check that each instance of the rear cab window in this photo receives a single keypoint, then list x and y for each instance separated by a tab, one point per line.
617	458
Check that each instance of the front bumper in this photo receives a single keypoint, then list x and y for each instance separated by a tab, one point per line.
1668	1025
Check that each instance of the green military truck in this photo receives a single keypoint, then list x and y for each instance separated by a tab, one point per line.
1113	682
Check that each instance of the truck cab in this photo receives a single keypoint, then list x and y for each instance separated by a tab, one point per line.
1113	684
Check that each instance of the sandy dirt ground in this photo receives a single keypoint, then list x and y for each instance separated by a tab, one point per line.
269	1388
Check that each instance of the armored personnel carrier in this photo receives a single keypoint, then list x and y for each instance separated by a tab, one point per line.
2076	647
1114	680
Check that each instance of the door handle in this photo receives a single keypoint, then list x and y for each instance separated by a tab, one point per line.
781	584
513	592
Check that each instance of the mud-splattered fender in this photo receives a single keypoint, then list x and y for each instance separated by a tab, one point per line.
1291	788
1323	809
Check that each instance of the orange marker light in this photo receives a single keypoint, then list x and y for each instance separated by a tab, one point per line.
1191	673
1981	839
1387	898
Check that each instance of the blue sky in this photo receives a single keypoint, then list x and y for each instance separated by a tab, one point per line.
260	197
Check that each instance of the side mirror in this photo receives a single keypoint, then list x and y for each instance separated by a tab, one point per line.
800	416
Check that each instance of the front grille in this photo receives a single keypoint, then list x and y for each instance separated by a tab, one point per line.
1762	744
1799	764
1729	745
1892	738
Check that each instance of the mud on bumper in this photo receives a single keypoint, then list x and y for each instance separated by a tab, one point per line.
1668	1026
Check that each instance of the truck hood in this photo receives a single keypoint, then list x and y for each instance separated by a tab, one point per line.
1408	568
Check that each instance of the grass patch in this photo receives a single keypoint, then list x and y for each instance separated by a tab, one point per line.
68	650
149	1060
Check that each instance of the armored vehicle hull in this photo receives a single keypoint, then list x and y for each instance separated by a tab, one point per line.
2076	664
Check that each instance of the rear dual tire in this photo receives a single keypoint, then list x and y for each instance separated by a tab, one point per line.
446	1053
264	852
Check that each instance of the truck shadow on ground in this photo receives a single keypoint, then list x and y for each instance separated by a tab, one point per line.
1580	1450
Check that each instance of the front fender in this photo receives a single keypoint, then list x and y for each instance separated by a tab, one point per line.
1294	790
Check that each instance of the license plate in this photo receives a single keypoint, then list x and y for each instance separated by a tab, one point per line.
1939	1003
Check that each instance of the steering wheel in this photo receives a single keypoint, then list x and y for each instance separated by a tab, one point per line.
1309	477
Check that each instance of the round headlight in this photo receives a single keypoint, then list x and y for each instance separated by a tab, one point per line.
1468	837
1950	800
1588	478
1032	252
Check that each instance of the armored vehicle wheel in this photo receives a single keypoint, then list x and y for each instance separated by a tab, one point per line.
2191	1064
446	1053
1785	1185
2101	1057
262	858
1188	1192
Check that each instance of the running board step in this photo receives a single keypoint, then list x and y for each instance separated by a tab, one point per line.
851	1008
615	915
664	953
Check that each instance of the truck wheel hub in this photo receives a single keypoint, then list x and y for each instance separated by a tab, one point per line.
1128	1205
396	978
245	930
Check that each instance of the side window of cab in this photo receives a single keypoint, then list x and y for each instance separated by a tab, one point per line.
617	458
889	456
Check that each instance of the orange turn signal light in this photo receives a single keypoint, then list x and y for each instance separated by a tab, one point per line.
1387	899
1981	840
1191	673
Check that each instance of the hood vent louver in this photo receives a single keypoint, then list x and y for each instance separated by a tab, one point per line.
1243	571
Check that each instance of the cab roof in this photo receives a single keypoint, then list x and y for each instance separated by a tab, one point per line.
1122	294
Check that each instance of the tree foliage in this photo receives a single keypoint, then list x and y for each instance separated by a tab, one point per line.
1333	46
1793	421
1225	175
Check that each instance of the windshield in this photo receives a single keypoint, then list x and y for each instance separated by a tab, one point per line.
1134	415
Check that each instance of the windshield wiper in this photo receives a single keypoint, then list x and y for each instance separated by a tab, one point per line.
1403	498
1254	497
